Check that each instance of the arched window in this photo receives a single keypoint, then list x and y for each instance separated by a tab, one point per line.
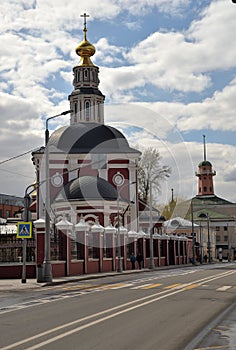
87	110
205	189
76	108
93	75
99	112
85	74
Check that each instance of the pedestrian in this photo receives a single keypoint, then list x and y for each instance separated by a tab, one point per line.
139	259
132	260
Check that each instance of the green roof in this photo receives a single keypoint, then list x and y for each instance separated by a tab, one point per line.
205	163
209	199
208	205
213	215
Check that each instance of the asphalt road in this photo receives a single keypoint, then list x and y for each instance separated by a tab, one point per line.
162	310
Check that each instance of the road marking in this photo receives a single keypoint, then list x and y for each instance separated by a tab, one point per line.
172	286
192	286
81	286
153	286
223	288
122	285
116	286
142	286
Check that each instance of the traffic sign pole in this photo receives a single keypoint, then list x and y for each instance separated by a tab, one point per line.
23	279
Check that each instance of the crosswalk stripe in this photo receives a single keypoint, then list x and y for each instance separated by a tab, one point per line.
122	285
153	286
142	286
115	286
83	286
223	288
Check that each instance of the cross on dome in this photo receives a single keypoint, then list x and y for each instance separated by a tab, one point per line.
85	49
85	23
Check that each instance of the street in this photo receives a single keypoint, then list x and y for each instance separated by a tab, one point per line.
161	309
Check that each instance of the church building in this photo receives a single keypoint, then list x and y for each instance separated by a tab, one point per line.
93	188
92	168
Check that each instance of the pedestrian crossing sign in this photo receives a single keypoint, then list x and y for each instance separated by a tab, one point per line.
24	230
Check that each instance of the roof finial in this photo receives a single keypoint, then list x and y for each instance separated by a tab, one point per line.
85	50
85	28
204	147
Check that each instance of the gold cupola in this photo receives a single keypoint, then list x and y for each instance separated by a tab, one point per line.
85	49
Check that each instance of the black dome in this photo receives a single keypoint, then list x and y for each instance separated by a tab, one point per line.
89	137
88	188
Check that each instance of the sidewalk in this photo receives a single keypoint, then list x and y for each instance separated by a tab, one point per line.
15	284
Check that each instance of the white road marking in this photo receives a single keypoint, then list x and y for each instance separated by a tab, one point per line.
141	286
223	288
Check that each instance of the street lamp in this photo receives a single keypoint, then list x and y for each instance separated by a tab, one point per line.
47	257
193	235
151	260
206	216
201	243
119	269
26	219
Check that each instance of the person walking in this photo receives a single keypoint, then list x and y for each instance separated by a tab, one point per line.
132	260
139	259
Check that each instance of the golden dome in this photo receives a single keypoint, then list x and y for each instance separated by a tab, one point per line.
85	49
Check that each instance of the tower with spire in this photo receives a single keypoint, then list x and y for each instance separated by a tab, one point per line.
86	100
205	175
89	161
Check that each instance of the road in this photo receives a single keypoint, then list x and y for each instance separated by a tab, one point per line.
162	309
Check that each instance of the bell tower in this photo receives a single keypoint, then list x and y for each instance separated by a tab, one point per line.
86	100
205	175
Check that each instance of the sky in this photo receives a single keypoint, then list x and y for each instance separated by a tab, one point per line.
167	69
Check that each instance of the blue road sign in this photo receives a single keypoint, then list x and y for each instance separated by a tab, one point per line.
24	230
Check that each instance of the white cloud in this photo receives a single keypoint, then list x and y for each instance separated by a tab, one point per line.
37	54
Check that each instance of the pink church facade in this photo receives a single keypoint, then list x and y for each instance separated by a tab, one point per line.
93	192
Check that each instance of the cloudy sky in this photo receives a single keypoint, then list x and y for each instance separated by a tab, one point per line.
167	68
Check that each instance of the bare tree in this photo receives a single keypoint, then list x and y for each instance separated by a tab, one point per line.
151	170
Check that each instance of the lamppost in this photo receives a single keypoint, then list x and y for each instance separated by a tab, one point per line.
151	260
201	243
119	269
193	235
206	216
26	219
47	257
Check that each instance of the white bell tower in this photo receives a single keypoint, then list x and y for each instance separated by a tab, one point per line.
86	100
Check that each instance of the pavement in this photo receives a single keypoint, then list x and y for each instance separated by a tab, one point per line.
15	284
11	284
